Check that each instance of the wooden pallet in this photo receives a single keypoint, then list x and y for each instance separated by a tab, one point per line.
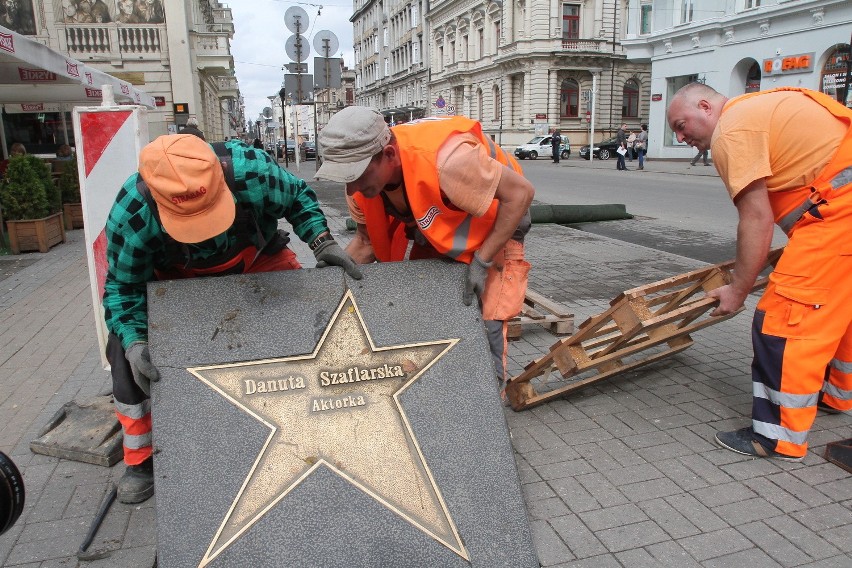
642	325
539	310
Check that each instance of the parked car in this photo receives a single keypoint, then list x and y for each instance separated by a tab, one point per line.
291	150
540	146
603	150
310	150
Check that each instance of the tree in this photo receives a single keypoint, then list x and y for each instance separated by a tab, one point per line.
23	192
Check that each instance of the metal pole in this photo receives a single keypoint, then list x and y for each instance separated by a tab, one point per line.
592	117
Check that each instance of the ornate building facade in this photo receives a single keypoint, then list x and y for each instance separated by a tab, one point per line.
521	68
178	52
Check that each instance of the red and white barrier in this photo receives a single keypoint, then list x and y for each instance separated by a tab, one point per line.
108	141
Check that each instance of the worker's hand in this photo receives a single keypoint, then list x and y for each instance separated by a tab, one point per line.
730	300
140	363
474	283
329	253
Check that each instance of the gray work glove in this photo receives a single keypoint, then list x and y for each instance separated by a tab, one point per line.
329	253
140	364
474	283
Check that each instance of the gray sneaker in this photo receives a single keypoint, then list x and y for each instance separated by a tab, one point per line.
137	483
743	442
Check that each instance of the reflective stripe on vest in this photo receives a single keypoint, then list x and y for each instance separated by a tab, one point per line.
837	392
136	442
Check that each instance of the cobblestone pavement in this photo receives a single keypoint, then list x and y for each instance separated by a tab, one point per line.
624	473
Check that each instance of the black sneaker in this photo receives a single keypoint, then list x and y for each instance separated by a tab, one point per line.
742	441
137	483
826	408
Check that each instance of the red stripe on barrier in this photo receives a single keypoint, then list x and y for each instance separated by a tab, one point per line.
98	129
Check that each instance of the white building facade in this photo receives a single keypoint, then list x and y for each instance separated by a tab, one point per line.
736	46
521	68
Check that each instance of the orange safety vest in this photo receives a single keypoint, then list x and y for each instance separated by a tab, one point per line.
789	205
451	231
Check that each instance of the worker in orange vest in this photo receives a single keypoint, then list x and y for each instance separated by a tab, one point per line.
443	187
785	156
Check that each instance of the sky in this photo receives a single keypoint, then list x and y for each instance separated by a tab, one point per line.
258	44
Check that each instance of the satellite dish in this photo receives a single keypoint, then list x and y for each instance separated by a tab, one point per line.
296	19
297	48
325	43
267	112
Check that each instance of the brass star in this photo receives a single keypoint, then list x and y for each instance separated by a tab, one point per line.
337	407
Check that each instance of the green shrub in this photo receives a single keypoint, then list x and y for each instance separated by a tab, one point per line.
54	196
69	182
23	193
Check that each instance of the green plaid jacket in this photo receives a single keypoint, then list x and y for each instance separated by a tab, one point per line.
136	240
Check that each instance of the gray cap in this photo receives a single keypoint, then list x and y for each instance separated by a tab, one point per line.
349	141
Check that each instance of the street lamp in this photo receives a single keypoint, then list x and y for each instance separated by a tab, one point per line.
594	71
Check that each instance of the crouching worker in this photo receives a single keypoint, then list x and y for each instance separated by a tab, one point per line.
189	212
445	186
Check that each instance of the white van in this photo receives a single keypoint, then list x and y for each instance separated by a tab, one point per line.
540	146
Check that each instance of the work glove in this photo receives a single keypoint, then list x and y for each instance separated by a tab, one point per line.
329	253
474	283
140	364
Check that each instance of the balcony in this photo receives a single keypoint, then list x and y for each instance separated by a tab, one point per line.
213	54
115	43
583	45
228	87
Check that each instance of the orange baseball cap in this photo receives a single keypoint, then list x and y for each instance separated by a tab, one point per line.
187	183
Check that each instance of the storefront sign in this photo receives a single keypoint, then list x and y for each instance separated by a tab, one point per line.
657	97
802	63
160	101
541	116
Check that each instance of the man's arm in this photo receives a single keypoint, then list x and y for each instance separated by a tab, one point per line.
754	237
360	248
514	194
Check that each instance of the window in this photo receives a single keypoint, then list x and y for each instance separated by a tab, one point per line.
570	21
440	57
452	52
753	78
480	44
414	16
646	11
415	52
569	97
386	37
685	11
749	4
630	99
464	47
833	75
496	37
495	93
479	105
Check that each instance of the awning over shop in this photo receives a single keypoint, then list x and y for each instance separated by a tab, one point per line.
33	77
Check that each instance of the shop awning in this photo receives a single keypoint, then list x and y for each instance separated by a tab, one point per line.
35	78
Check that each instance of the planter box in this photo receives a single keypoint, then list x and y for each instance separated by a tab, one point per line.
73	215
36	234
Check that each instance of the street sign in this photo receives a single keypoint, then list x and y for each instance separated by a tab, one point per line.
296	85
327	72
296	67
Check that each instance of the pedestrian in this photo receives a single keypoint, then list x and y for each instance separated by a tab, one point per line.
191	127
178	217
257	144
17	149
64	153
631	145
641	145
702	155
447	187
784	155
556	143
621	140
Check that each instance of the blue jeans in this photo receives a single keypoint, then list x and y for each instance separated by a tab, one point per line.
620	165
641	153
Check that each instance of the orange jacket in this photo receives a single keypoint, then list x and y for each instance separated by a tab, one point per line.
790	202
450	231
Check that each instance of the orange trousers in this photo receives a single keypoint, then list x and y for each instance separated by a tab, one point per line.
802	329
